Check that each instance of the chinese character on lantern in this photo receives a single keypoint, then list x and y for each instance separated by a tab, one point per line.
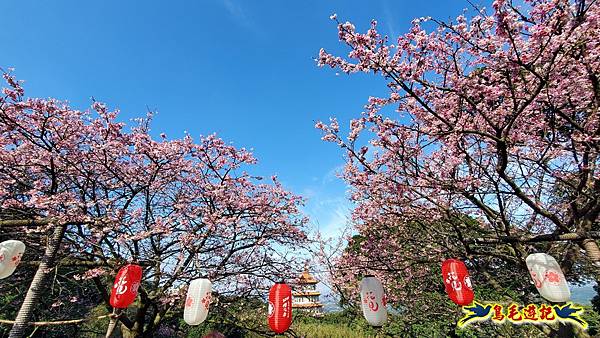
455	271
372	295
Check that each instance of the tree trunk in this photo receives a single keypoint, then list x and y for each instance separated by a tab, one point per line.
113	322
37	284
137	330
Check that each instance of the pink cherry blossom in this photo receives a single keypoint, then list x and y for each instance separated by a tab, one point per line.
178	207
494	133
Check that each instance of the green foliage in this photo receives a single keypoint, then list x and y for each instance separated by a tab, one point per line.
596	299
234	317
329	330
246	318
347	323
95	327
350	324
592	317
65	299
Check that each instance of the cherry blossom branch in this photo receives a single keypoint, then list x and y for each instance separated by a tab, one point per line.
536	238
25	222
60	322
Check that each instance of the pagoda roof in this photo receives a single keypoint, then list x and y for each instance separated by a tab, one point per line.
307	278
306	293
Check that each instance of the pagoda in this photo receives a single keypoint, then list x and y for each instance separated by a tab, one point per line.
305	295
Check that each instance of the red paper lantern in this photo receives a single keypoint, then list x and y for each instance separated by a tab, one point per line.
126	286
280	307
457	282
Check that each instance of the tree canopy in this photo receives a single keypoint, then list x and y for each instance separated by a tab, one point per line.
106	194
485	147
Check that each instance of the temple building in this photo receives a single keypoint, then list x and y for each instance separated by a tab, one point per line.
305	295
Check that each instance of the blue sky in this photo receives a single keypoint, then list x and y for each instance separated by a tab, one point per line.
242	69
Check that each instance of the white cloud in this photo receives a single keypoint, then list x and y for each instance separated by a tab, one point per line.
388	17
334	223
333	174
327	204
240	16
234	9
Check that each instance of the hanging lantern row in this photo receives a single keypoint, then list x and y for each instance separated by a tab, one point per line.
545	272
11	252
543	268
198	298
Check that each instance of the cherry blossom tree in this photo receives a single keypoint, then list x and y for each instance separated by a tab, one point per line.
485	148
103	195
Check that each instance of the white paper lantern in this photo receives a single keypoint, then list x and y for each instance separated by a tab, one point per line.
11	252
373	301
548	277
197	301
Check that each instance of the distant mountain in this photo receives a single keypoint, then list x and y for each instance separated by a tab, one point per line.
329	300
331	306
